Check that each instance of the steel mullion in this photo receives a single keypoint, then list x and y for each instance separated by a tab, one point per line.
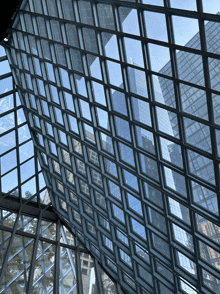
24	259
4	95
57	260
3	58
5	76
10	110
78	270
34	255
37	177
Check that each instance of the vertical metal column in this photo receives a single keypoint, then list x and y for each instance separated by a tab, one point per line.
33	259
57	260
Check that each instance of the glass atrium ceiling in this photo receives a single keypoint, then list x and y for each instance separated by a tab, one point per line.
123	107
34	243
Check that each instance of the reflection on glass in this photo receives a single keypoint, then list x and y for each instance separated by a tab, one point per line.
194	101
149	167
19	262
122	128
186	60
204	197
183	237
211	281
102	118
88	274
153	195
106	142
48	230
164	91
105	14
197	134
134	204
137	82
85	109
201	166
175	181
164	271
126	154
111	46
157	220
179	210
130	180
210	255
171	152
108	285
208	229
138	229
161	245
167	122
44	268
67	271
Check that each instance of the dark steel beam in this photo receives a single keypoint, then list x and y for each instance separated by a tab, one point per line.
31	208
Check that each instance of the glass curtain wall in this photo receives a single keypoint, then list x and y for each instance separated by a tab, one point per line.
122	101
20	171
39	256
34	248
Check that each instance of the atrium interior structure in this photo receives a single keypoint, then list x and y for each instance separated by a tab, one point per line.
110	147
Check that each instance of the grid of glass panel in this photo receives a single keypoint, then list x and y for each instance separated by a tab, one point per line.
122	100
41	256
20	171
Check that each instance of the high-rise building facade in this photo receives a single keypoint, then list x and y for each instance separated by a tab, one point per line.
123	116
197	133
